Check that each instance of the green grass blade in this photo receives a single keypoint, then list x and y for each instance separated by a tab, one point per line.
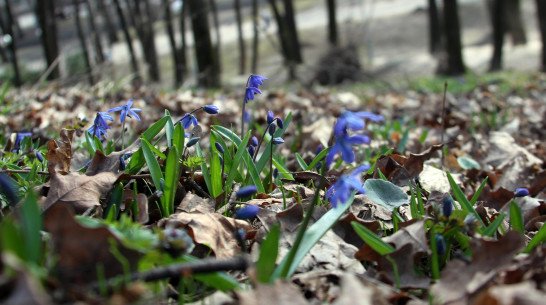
155	171
268	255
169	129
492	228
461	198
539	238
172	175
215	168
204	168
317	159
264	158
474	198
516	219
301	162
371	239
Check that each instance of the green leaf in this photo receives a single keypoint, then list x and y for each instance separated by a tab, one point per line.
467	163
268	255
204	168
112	209
474	198
461	198
138	160
538	239
169	129
178	139
301	162
264	158
215	168
172	175
385	193
371	239
283	171
516	219
98	144
155	172
492	228
31	224
153	130
91	148
317	159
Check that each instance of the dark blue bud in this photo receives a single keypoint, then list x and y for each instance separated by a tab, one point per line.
221	160
121	164
319	149
275	173
192	141
521	192
219	147
210	109
277	141
246	191
39	156
247	212
272	129
447	206
254	141
440	244
280	123
251	151
7	187
247	116
270	117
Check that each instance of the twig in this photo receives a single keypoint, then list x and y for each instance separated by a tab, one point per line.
443	122
179	269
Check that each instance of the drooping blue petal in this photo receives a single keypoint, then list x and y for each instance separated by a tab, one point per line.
249	94
256	80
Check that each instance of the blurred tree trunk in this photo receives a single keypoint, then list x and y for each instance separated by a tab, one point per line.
332	22
12	46
514	24
435	30
128	40
83	44
209	74
110	25
241	40
172	41
498	9
214	11
288	36
3	54
144	27
255	40
94	33
182	66
541	14
455	64
45	10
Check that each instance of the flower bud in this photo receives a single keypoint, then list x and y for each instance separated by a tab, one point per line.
251	151
247	212
192	141
521	192
440	244
277	141
219	147
270	117
254	141
280	123
447	206
246	191
210	109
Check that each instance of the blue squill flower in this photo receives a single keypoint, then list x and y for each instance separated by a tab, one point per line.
126	111
447	206
251	151
20	136
39	156
521	192
7	187
249	94
354	121
247	116
345	185
280	123
188	119
246	191
344	145
256	80
254	141
219	147
247	212
270	117
100	125
277	141
210	109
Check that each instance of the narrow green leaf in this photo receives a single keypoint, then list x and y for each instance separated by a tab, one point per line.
371	239
317	159
474	198
153	130
413	203
283	171
264	158
215	168
241	149
91	148
218	280
492	228
301	162
178	139
172	175
98	144
31	225
112	208
516	218
169	129
268	255
461	198
538	239
204	168
155	171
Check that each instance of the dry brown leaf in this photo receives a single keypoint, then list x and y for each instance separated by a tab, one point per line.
404	259
78	190
210	229
101	163
141	202
281	293
524	293
59	153
81	250
194	203
25	289
459	281
353	292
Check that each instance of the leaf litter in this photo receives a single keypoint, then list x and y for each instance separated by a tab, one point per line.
341	266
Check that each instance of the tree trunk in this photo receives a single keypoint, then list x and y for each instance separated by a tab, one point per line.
209	75
45	10
332	22
111	27
541	14
288	36
128	40
255	41
453	38
292	31
144	27
94	33
83	44
241	40
181	68
3	54
214	10
12	46
514	24
435	30
172	40
498	10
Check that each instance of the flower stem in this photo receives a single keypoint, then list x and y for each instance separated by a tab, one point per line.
271	168
123	135
243	121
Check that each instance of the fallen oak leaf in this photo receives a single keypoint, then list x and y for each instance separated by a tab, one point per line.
78	190
101	163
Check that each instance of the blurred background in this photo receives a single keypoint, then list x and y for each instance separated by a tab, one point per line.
214	43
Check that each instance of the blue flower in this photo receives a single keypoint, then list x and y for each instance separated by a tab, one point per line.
100	125
20	136
256	80
249	94
126	111
270	117
521	192
7	187
440	244
210	109
247	116
272	130
39	156
247	212
447	206
280	123
354	121
344	145
188	119
251	151
246	191
345	185
219	147
254	141
277	141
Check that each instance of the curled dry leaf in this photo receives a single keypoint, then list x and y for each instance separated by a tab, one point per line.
84	252
59	153
78	190
210	229
460	281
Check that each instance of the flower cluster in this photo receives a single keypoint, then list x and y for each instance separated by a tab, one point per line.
189	119
100	125
254	81
345	185
353	121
